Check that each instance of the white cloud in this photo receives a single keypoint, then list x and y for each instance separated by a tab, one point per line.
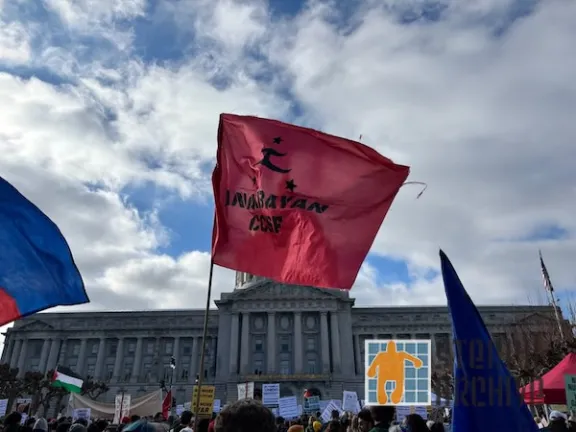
485	121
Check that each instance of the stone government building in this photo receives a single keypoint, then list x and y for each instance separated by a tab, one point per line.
263	331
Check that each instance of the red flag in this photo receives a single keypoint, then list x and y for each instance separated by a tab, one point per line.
297	205
167	404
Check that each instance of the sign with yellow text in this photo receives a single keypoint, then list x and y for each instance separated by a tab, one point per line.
206	407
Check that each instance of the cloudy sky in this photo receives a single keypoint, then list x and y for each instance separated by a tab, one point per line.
109	110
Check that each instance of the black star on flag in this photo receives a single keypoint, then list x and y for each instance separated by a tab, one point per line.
277	140
290	185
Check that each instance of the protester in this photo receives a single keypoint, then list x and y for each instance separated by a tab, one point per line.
557	422
437	427
245	415
415	423
41	425
365	422
382	417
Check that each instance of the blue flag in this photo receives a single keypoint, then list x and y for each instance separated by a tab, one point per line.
37	270
486	397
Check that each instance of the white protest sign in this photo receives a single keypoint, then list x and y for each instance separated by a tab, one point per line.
246	391
288	407
179	409
338	403
322	405
350	401
81	413
327	414
217	406
121	407
3	407
270	394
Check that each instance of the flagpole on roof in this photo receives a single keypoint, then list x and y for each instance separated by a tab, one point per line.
204	336
550	291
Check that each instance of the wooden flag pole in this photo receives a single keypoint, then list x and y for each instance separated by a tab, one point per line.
203	355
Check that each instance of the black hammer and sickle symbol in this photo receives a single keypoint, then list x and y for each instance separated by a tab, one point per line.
268	152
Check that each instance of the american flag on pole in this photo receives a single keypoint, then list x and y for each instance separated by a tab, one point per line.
547	283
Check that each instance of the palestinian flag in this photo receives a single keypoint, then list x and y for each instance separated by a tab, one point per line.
66	379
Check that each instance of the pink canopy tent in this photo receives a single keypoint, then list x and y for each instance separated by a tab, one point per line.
550	389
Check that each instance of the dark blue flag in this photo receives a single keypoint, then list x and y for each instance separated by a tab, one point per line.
486	397
37	270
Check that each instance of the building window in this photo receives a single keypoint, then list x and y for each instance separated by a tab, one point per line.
147	372
131	347
258	345
184	374
112	348
37	350
168	374
258	366
91	370
168	348
311	366
150	348
109	371
311	344
95	348
284	344
285	367
75	349
187	350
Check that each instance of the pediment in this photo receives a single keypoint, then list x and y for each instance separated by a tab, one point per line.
269	290
36	325
535	318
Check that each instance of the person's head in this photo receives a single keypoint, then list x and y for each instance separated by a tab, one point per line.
365	422
317	426
12	418
415	423
82	421
41	425
102	425
335	415
318	414
159	417
186	418
279	421
437	427
334	426
78	427
63	427
245	415
203	425
134	418
30	421
382	414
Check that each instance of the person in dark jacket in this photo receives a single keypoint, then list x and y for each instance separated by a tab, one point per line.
382	415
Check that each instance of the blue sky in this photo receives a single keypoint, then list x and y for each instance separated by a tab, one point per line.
112	109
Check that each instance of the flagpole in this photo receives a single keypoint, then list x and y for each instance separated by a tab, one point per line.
550	290
204	336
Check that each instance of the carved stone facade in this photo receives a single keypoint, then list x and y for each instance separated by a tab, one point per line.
265	332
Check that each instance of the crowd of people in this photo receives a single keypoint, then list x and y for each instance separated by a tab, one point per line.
249	415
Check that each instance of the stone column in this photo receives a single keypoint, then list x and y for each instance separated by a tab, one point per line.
234	344
137	361
15	353
245	344
22	359
194	361
298	356
82	357
359	359
271	343
325	342
53	356
176	355
336	358
7	352
433	346
63	357
119	359
44	356
98	373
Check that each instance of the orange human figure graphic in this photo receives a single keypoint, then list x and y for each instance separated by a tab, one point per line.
389	366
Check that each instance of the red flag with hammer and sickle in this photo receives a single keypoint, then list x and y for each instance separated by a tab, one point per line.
296	205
